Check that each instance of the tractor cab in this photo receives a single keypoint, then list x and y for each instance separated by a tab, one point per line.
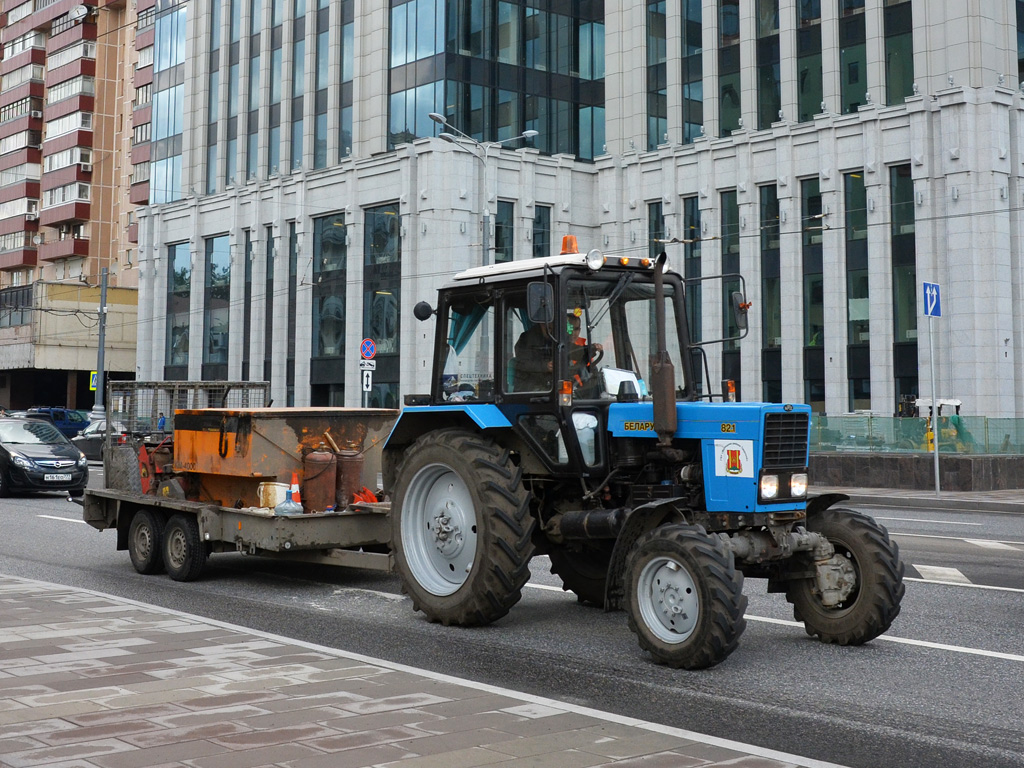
549	344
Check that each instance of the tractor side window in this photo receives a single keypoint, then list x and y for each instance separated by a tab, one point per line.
528	349
468	372
546	433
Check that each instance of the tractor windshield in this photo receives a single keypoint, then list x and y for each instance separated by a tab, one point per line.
616	328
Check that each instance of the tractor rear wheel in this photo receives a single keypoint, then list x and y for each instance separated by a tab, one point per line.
864	550
461	528
684	597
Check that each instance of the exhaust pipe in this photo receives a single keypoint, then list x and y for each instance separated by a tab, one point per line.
663	373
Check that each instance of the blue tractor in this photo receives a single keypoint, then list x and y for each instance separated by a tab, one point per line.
566	418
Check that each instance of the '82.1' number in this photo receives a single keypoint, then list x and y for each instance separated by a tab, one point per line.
729	428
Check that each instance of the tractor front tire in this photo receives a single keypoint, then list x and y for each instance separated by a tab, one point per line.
684	597
461	528
874	602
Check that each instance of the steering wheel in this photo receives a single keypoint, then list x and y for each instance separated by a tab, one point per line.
596	358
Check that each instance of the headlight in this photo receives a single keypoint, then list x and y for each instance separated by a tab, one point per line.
82	461
798	484
21	461
769	486
595	259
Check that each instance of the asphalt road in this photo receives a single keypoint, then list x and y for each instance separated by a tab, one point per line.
942	688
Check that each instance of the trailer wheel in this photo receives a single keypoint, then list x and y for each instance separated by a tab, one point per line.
583	569
864	548
184	554
461	529
145	541
685	597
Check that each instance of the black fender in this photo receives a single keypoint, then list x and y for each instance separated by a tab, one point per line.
644	518
816	504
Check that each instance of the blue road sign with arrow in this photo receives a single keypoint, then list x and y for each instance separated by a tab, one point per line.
932	300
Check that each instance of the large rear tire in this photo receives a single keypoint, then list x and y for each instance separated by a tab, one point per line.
145	541
864	546
684	597
583	569
184	553
461	528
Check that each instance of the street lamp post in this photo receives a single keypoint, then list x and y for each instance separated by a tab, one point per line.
479	151
98	411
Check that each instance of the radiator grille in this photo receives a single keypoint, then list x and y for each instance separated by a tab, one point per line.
785	440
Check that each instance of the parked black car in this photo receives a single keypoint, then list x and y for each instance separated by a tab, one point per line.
35	456
91	440
69	422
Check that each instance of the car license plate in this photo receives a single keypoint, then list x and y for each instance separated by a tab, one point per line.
58	477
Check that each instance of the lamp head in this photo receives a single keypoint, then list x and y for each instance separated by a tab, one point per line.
530	134
438	118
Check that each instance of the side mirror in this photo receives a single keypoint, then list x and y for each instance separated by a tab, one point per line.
540	302
422	311
739	310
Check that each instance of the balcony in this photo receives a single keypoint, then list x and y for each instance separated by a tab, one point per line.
63	248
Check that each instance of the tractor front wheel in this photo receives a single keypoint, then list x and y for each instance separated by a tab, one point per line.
864	551
685	597
461	528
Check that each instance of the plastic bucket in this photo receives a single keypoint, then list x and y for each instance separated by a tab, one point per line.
272	494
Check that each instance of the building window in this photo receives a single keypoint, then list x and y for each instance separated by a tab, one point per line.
729	104
693	70
899	51
858	351
655	229
904	281
814	295
692	264
771	295
541	231
730	225
330	261
382	273
657	86
769	91
808	59
268	308
504	232
216	308
179	289
293	288
247	306
853	81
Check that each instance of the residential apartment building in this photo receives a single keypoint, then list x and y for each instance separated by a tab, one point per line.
65	97
837	153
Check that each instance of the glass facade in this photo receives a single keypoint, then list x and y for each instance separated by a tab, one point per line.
693	70
495	70
168	104
769	87
729	104
382	276
814	294
904	281
216	308
899	51
657	71
858	316
771	294
853	75
808	59
179	295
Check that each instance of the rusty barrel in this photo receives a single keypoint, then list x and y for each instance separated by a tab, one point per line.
350	477
319	468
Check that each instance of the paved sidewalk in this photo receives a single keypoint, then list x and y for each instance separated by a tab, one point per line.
978	501
94	681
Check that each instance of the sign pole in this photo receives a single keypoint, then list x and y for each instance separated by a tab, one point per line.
935	401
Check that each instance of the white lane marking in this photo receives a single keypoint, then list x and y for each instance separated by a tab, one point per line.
940	573
750	749
907	641
548	587
952	538
969	586
991	544
65	519
916	520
